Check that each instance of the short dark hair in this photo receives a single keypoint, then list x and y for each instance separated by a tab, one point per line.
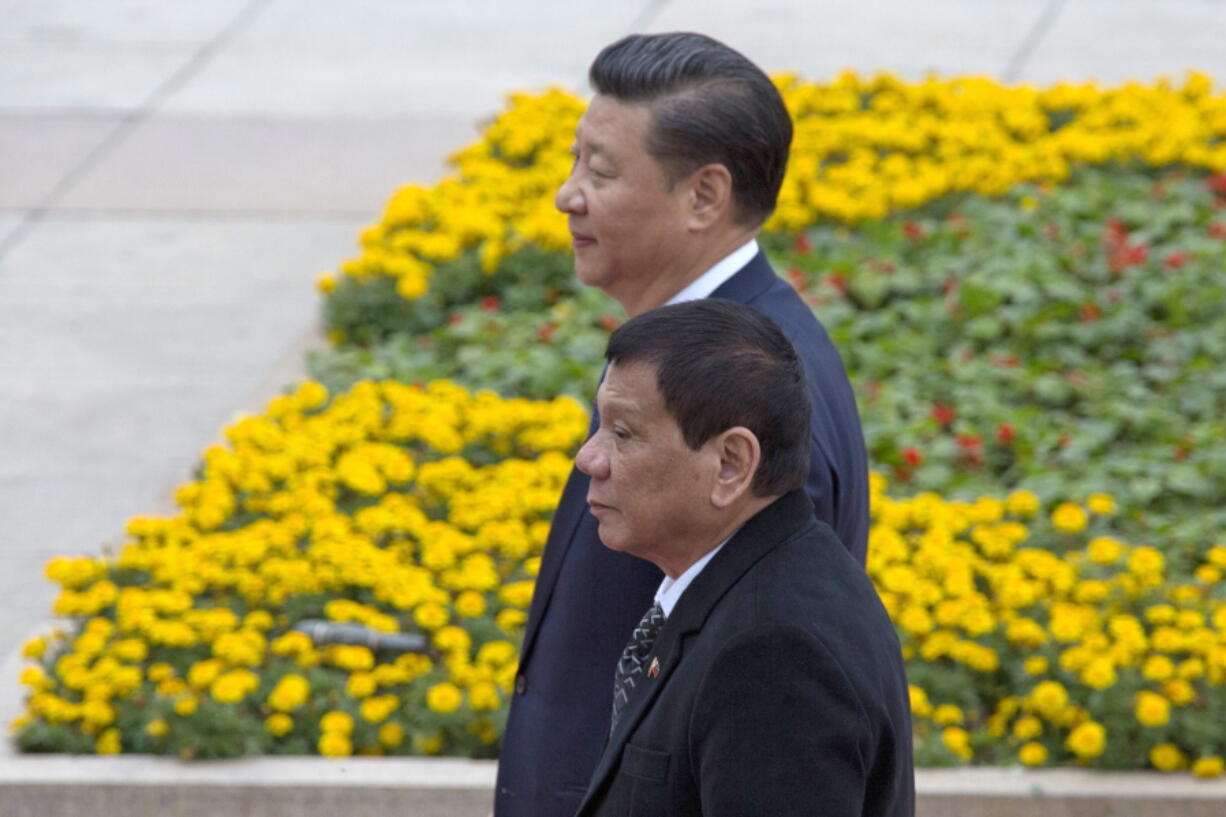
719	365
709	104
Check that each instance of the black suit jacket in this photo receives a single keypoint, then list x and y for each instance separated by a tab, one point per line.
780	690
588	598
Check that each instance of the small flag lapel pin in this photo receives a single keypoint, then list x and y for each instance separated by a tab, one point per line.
654	669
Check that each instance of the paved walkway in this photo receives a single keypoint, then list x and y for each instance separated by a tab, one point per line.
174	175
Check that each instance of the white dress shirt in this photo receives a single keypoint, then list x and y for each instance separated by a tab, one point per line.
671	589
709	281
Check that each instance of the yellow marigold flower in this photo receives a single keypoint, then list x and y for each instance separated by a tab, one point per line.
470	604
278	724
379	709
948	715
1027	727
1167	757
1207	767
1179	691
919	701
203	673
186	706
484	697
1101	504
958	741
361	685
335	744
98	713
1099	673
1104	550
325	283
1048	698
1158	668
1035	665
159	672
108	743
1087	741
34	677
1069	517
391	734
1022	503
339	722
1151	709
444	698
233	686
510	620
430	616
290	693
1146	559
1208	574
1032	754
157	728
34	648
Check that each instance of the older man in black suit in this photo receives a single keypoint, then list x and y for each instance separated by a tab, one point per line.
678	162
766	678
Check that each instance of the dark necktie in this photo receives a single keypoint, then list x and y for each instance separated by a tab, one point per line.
630	666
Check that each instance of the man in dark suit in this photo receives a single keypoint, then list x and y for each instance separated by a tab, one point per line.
678	162
767	677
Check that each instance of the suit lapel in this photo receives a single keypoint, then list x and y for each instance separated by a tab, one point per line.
760	535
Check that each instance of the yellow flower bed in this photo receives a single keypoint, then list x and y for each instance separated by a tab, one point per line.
1034	640
1031	636
863	147
398	507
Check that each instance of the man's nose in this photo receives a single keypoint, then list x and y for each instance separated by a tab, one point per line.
591	459
569	199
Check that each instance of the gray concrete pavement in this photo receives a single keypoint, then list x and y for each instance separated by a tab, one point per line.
173	176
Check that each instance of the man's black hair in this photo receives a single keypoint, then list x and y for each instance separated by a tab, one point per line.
718	365
709	104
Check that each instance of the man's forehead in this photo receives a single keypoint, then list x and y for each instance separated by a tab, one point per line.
629	387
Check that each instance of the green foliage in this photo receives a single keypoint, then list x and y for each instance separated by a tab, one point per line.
368	310
1064	342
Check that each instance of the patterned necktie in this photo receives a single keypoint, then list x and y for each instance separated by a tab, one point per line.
630	666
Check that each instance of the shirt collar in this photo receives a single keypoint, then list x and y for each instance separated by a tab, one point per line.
671	589
709	281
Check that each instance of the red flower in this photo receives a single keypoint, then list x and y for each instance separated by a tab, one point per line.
1052	231
802	243
455	318
797	278
838	281
950	285
958	223
1064	441
1217	183
1005	433
545	333
608	322
913	230
944	415
911	456
490	303
1177	259
1217	229
969	442
1089	312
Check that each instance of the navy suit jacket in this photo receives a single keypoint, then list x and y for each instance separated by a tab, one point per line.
776	687
588	598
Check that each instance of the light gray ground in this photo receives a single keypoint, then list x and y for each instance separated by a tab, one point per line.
174	175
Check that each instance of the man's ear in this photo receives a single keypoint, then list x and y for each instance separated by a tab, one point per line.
739	455
710	195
